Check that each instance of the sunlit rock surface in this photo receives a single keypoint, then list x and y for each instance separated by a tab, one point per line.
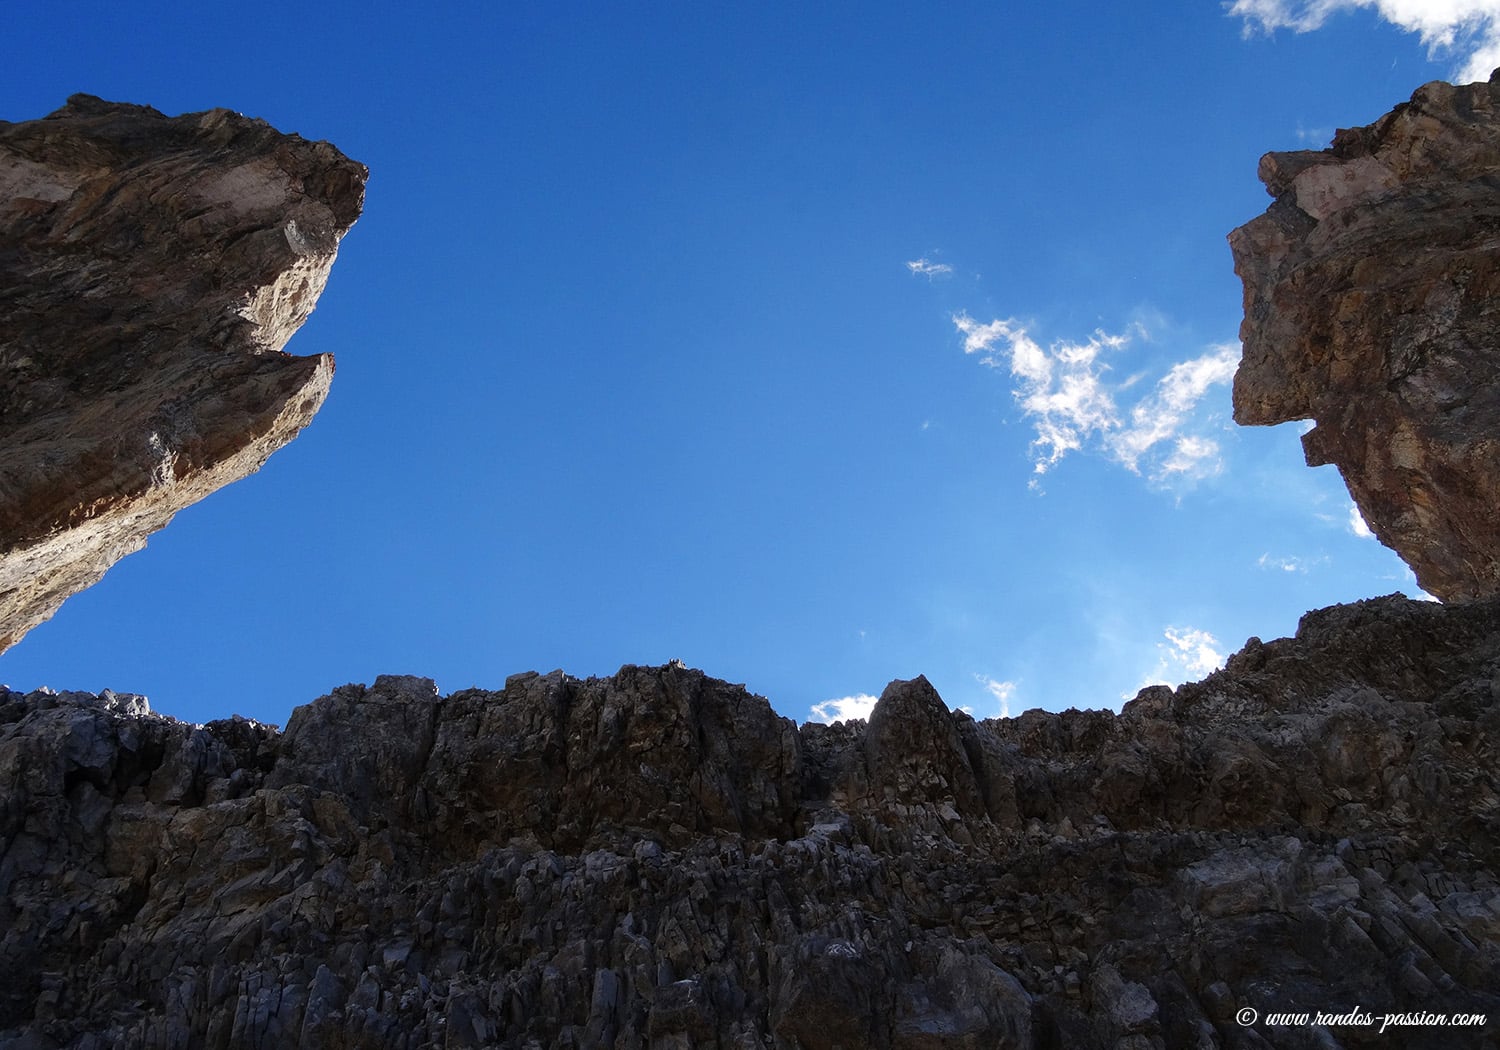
656	859
151	269
1372	306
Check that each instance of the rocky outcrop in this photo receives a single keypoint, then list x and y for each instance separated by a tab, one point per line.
151	269
658	860
1372	306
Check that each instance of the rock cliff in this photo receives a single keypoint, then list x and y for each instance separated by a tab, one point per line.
151	269
1372	303
656	859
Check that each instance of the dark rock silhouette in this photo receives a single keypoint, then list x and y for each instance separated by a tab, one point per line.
657	859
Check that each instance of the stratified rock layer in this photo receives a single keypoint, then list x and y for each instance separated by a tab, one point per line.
1372	305
657	859
151	269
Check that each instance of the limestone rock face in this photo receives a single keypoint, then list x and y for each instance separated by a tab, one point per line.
1372	306
151	269
657	859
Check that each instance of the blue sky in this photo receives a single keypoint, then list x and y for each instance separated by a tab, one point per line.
813	345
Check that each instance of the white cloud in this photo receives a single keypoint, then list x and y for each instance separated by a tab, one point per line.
1193	650
924	267
1192	457
1357	524
1065	391
844	708
1189	380
1284	564
981	339
1059	388
1466	29
1159	418
1314	138
1001	691
1292	564
1187	654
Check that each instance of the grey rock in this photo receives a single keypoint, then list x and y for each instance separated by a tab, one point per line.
658	859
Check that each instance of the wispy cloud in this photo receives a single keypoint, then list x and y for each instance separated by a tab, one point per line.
1065	391
844	708
1194	650
1468	30
1001	691
925	267
1185	654
1060	387
1158	419
1357	524
1314	138
1291	564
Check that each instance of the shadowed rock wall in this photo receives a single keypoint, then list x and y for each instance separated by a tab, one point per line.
151	269
657	859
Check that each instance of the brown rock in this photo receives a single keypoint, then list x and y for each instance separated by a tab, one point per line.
151	269
1372	306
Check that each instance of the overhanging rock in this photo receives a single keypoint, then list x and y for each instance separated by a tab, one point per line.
1372	306
151	270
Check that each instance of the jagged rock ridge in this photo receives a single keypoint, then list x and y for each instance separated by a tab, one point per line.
151	269
657	859
1372	305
